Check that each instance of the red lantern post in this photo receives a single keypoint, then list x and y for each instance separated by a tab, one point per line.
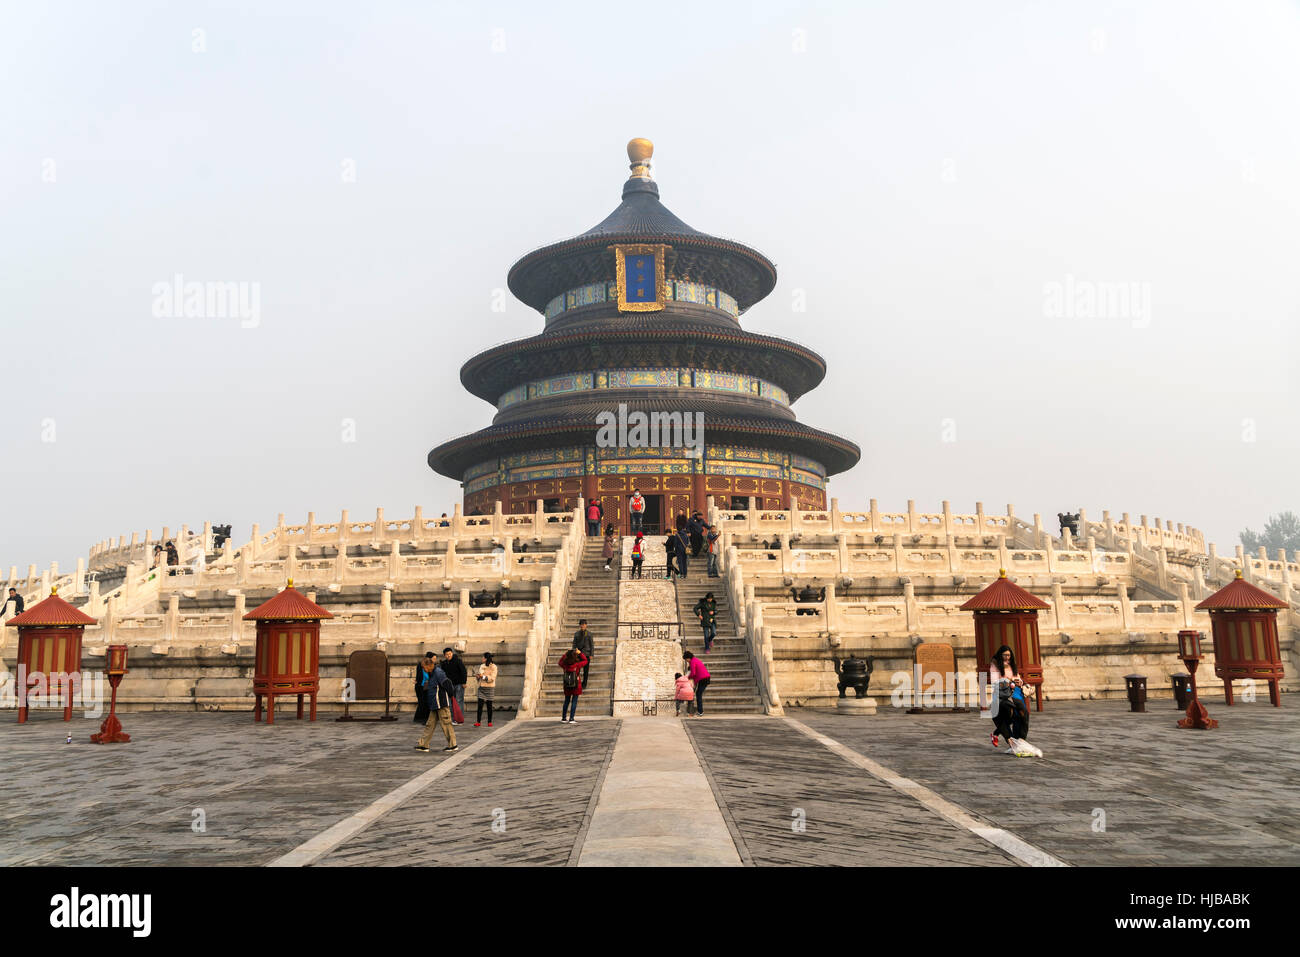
110	732
1189	652
49	646
1006	614
1243	621
287	659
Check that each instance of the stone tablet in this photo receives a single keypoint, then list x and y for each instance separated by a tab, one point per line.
368	670
934	677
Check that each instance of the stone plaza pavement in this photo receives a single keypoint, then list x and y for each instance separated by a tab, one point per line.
814	788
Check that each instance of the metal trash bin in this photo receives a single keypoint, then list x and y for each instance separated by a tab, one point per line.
1137	692
1182	690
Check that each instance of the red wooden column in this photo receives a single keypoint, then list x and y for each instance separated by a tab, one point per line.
49	644
1006	614
1243	621
288	650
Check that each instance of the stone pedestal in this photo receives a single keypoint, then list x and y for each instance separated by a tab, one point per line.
850	705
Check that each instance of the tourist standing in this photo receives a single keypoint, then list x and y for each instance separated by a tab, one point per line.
608	550
637	509
698	674
173	558
13	604
440	693
711	542
157	556
583	641
696	529
593	519
670	553
487	688
706	610
421	679
683	550
459	675
572	662
638	555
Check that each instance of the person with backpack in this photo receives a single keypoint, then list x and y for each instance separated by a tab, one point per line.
440	694
638	555
682	550
459	675
1010	710
706	610
698	674
572	662
637	509
583	641
421	702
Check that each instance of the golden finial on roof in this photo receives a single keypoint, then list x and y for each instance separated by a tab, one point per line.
54	589
639	152
1002	573
290	585
1238	572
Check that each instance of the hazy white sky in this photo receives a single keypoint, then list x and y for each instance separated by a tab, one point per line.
927	177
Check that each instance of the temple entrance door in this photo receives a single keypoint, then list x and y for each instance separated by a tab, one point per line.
677	505
613	506
652	520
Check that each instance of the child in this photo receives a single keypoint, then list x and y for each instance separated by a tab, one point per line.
638	555
684	693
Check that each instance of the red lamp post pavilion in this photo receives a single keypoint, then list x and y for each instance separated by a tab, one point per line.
1006	614
49	645
110	732
1243	621
287	660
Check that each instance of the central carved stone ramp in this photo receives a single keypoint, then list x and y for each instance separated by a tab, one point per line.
593	595
733	689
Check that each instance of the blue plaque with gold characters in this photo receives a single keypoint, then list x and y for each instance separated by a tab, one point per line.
639	275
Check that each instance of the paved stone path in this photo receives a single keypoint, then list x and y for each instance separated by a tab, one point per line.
795	802
262	790
1228	797
656	807
216	789
535	786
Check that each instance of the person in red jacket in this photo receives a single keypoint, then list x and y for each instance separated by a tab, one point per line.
572	663
699	674
593	519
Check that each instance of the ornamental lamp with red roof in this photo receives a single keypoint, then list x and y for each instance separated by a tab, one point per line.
1243	623
287	659
1006	614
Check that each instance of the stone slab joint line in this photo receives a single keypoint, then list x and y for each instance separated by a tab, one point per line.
312	850
1020	849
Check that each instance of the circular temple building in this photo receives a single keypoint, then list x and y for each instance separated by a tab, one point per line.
643	379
